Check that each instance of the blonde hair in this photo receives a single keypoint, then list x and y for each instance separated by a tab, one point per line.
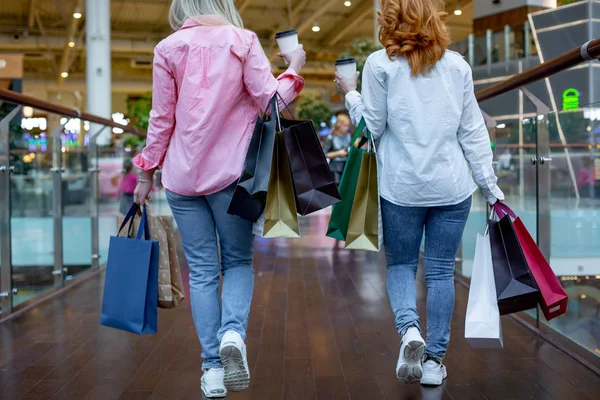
414	29
181	10
341	119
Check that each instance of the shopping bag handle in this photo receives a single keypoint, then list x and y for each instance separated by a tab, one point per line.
273	111
144	230
129	218
502	210
273	107
362	126
285	105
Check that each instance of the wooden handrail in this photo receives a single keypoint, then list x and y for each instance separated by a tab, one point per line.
24	100
544	70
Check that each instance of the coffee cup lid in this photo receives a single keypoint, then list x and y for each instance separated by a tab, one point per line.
345	61
291	32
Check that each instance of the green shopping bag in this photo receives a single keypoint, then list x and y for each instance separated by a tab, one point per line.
340	214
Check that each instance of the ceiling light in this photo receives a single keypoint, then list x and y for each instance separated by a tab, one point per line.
347	3
71	42
27	112
458	11
77	13
64	74
316	27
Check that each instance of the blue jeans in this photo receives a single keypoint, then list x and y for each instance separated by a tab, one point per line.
202	222
403	233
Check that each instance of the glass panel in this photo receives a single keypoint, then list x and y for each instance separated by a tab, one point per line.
77	221
32	228
110	164
514	147
575	220
6	128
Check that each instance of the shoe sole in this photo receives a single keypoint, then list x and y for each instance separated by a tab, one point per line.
412	371
436	382
237	376
209	395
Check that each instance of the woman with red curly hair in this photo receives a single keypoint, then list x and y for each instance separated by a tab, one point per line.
417	100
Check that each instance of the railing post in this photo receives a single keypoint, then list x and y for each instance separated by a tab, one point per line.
471	49
94	203
507	45
6	289
526	39
57	206
488	50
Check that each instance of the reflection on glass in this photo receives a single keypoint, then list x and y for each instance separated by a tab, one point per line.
574	208
32	231
76	197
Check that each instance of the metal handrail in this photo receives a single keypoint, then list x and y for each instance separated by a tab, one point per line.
586	52
24	100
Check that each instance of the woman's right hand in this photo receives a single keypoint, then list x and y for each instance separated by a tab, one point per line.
142	192
296	59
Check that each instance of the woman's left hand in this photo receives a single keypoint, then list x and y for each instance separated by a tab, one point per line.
346	84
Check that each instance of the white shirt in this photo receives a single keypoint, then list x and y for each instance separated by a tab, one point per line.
431	131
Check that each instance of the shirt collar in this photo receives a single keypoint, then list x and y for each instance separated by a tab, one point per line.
209	20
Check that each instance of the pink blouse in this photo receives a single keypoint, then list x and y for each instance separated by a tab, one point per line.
210	82
128	183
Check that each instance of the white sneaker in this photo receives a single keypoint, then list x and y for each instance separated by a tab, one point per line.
433	373
212	383
409	368
233	357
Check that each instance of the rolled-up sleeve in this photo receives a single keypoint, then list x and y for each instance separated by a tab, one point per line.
260	82
162	116
475	143
372	103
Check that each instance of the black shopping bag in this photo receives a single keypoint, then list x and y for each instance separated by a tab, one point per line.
250	195
516	289
314	184
130	300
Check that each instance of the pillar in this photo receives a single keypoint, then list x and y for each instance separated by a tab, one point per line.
98	64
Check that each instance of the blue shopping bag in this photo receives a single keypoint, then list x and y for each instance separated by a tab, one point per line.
130	299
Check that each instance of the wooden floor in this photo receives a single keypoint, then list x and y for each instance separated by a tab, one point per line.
320	328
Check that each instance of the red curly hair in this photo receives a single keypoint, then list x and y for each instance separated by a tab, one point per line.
414	29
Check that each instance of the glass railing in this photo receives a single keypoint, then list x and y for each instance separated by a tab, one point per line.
512	43
561	198
63	200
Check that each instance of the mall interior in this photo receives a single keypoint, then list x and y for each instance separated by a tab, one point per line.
75	97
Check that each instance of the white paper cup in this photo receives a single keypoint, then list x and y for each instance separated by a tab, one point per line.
287	41
346	67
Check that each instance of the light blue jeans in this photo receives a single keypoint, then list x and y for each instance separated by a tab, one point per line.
203	221
403	233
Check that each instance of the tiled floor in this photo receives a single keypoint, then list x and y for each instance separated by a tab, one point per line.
320	328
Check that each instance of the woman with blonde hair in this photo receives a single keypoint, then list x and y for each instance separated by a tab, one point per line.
417	99
211	79
337	145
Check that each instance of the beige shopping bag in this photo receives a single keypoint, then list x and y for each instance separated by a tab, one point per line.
364	227
281	217
170	284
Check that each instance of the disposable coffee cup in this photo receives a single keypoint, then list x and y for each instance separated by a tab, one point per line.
287	41
346	67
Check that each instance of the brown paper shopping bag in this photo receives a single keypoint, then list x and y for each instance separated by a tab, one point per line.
170	284
281	217
364	227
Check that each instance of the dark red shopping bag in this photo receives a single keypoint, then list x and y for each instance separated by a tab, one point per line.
553	299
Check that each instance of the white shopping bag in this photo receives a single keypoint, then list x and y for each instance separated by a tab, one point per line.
482	325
